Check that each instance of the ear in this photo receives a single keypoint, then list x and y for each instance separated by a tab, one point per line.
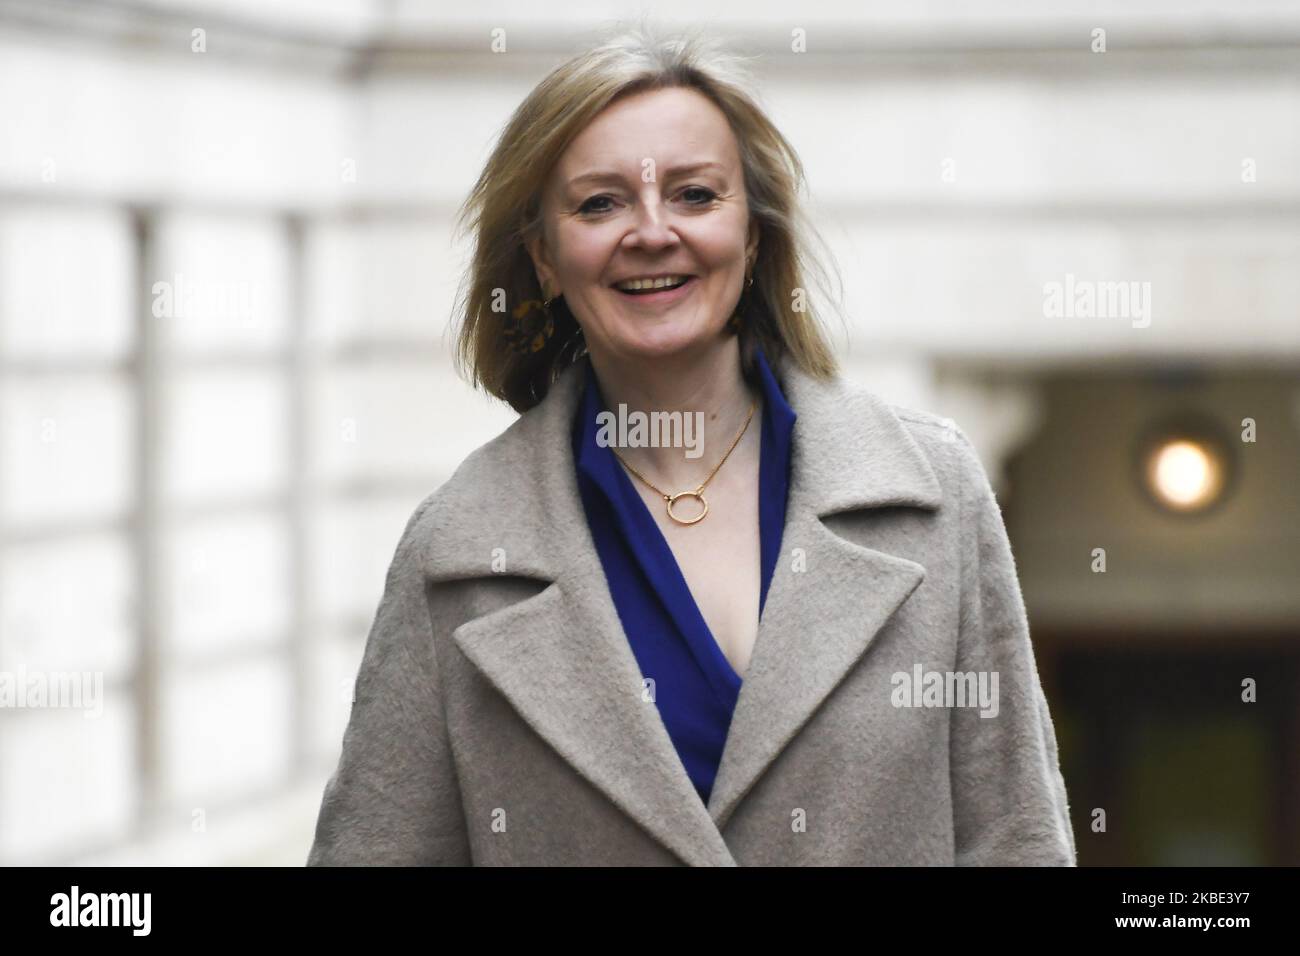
536	247
751	246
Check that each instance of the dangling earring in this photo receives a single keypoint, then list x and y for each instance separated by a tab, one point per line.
734	322
525	335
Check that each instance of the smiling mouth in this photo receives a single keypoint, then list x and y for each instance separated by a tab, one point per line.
660	293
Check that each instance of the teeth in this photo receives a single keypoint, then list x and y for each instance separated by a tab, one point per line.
634	284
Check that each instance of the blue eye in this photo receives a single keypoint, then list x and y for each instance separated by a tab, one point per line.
708	195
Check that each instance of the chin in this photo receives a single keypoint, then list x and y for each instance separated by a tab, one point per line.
662	341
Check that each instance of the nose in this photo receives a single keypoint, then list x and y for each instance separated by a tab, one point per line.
652	229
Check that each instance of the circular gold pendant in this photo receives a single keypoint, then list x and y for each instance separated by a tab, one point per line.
687	494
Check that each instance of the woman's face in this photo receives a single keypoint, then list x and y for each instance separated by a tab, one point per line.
653	186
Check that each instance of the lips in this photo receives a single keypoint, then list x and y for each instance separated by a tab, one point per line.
648	289
649	278
660	296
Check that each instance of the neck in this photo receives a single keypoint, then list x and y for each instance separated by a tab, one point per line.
709	382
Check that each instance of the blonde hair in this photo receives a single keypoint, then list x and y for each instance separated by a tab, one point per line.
504	209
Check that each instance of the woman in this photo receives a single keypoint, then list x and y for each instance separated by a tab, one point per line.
790	634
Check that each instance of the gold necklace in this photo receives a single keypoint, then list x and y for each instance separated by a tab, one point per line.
698	493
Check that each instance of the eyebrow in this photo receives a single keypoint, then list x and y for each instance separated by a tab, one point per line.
604	176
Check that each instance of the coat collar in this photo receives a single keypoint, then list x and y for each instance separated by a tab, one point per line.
561	657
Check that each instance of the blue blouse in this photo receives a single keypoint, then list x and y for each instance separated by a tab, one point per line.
695	686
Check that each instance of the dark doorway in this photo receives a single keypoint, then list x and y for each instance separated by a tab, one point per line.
1155	732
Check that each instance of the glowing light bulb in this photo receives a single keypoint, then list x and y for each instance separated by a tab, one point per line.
1185	474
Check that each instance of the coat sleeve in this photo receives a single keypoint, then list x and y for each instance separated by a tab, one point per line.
393	799
1008	795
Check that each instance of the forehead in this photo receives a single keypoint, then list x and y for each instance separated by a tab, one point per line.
672	127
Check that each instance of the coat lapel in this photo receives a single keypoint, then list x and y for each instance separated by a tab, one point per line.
849	452
561	657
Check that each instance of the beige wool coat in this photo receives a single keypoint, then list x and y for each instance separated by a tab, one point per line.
500	717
